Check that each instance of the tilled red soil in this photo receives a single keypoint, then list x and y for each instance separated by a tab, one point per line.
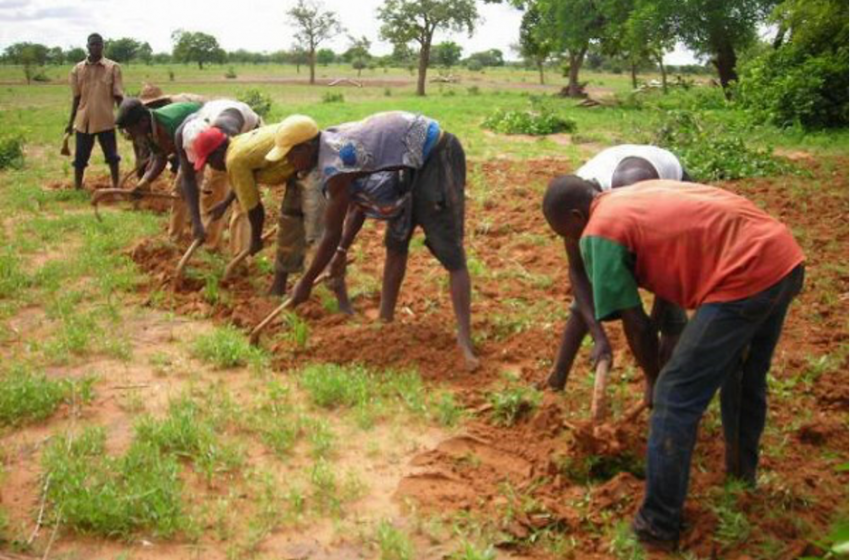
520	294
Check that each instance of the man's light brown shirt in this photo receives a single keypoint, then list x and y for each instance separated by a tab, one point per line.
97	84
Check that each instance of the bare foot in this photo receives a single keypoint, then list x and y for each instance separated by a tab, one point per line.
471	362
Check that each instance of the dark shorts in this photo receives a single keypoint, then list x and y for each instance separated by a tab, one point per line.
436	204
83	144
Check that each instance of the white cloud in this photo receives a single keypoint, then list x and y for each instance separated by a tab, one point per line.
257	25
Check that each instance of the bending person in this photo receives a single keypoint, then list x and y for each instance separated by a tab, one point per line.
619	166
701	248
231	118
432	197
243	158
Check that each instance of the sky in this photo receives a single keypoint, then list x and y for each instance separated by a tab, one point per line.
255	25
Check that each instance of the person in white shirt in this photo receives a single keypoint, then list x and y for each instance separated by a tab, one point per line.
232	118
618	166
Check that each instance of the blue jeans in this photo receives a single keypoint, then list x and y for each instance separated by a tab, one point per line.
726	346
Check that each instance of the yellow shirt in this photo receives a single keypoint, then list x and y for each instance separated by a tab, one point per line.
97	84
247	166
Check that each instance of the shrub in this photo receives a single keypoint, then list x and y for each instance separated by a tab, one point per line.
787	87
40	76
230	74
260	102
331	97
716	152
475	66
537	123
473	91
11	152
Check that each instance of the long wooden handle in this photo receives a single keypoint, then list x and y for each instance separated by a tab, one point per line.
256	331
236	261
598	408
178	272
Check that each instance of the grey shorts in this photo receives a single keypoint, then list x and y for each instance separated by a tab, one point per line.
436	204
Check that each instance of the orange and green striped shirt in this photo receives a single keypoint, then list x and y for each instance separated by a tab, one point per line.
688	244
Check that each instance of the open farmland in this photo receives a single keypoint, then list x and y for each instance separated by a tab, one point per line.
138	423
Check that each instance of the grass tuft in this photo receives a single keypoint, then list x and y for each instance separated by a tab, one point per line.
226	347
95	493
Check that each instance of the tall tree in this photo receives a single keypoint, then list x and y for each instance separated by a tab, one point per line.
196	47
405	21
719	29
536	39
314	26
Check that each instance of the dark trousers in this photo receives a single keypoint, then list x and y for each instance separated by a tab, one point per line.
726	346
83	144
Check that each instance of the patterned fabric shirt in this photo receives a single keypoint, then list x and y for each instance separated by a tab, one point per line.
688	244
97	84
382	142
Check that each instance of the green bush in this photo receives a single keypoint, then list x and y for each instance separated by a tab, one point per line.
787	87
715	152
11	152
331	97
260	102
535	122
231	73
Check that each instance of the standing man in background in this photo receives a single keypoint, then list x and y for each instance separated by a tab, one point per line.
97	86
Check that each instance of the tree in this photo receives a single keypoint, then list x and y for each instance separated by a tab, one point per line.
357	48
571	25
802	79
28	55
75	55
447	54
648	33
404	21
121	50
718	29
55	55
488	58
196	47
314	26
536	43
145	53
325	56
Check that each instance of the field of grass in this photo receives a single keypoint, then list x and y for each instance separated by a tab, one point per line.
138	423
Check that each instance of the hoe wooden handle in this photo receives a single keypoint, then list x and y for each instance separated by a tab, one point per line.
598	408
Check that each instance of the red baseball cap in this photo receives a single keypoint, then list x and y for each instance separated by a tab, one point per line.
206	143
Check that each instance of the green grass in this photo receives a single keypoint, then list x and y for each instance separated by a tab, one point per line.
28	396
91	491
371	394
513	403
733	527
392	543
227	347
190	431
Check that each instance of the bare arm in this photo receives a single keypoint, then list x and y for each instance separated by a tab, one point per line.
335	214
75	104
353	224
189	187
584	298
156	165
643	340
